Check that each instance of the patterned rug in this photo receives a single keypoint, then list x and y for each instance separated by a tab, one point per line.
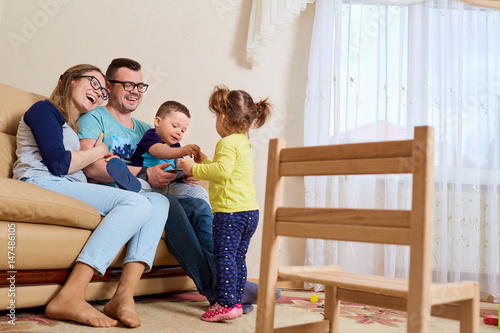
180	312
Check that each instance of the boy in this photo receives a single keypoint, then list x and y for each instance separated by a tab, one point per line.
162	145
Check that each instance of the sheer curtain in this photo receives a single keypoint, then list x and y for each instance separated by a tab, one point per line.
376	71
266	17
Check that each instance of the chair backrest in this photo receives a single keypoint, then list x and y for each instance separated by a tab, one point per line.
405	227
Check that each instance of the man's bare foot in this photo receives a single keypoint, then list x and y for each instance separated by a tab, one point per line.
75	309
122	307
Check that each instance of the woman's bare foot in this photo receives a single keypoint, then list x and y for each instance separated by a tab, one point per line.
75	309
122	307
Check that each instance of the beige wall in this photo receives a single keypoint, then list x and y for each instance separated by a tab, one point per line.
185	47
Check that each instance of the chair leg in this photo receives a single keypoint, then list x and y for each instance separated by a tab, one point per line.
332	308
469	314
419	317
266	303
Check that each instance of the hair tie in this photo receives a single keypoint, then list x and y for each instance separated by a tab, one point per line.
255	104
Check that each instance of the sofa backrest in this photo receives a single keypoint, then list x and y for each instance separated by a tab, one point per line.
23	202
13	104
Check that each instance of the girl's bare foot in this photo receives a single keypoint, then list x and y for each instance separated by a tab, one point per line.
75	309
122	307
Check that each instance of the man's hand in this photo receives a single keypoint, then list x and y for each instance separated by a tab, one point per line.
158	178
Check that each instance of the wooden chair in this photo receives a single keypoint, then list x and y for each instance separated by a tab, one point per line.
418	296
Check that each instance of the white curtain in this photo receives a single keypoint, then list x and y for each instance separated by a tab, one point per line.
376	71
266	17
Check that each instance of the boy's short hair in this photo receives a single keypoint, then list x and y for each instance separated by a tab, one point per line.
170	106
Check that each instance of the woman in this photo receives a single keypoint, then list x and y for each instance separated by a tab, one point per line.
48	152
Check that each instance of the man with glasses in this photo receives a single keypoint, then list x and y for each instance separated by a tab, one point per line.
188	228
130	86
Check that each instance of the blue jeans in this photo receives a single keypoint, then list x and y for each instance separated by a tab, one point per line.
189	237
128	216
182	190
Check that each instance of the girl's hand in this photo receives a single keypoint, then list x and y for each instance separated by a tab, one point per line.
199	157
190	180
186	165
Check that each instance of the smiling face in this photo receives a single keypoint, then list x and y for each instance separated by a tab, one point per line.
120	99
172	127
84	98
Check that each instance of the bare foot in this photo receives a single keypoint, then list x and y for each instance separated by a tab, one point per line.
68	308
122	307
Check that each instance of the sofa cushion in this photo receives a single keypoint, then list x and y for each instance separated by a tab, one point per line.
15	102
23	202
7	154
40	246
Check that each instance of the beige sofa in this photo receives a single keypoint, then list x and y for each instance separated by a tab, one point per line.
42	232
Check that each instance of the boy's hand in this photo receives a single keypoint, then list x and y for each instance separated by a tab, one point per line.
186	165
190	150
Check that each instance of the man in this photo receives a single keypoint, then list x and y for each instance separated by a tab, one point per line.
188	228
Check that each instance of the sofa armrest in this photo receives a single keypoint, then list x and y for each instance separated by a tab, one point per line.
23	202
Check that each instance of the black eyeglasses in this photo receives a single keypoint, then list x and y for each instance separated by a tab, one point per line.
129	86
95	84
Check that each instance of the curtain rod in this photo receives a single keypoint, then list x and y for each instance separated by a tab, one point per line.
484	3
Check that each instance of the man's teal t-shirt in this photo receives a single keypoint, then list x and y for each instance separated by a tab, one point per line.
121	141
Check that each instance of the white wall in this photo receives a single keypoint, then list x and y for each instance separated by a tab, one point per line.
185	47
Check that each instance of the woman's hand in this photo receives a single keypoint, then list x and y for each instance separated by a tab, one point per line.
101	147
82	158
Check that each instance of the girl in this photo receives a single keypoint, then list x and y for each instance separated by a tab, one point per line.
231	192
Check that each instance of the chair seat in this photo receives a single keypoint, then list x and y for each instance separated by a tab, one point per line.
334	277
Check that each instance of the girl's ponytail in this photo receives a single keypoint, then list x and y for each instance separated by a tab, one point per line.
218	101
262	112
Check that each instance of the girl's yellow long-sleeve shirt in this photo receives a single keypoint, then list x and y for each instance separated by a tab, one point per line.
230	175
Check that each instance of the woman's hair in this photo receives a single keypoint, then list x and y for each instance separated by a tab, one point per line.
240	111
61	96
170	106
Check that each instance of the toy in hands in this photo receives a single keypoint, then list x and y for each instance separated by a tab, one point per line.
179	173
